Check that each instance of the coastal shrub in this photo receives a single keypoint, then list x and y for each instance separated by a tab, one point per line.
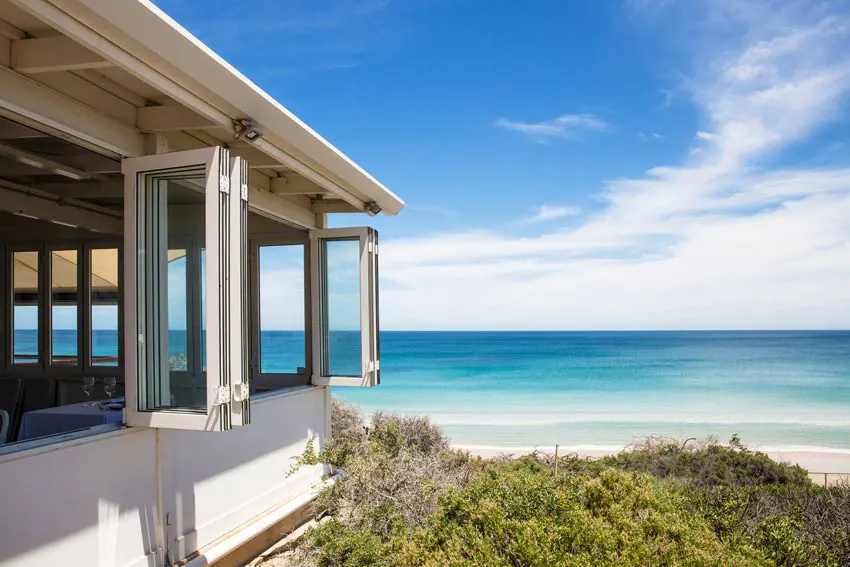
706	463
526	517
800	526
395	468
334	544
406	499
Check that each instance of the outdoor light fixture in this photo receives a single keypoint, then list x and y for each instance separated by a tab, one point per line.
244	128
372	208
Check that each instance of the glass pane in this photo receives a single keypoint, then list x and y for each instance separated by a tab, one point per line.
282	304
103	278
64	302
178	339
342	270
25	321
174	232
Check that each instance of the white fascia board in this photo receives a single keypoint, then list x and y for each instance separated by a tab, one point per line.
148	43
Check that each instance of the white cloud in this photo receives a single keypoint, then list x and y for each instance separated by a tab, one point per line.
717	241
650	136
564	126
546	213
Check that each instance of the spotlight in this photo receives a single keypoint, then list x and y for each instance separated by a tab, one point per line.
244	128
372	208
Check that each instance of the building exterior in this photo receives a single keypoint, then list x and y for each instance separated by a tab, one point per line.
144	184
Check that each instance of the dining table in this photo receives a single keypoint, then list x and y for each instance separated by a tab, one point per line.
71	417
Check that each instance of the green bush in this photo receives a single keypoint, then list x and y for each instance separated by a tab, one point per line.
707	464
408	500
528	517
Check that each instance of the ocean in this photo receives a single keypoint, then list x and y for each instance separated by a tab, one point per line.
603	390
594	390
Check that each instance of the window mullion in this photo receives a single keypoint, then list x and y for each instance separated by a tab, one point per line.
44	312
84	304
160	254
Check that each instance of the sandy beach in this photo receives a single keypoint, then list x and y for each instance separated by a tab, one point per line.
824	465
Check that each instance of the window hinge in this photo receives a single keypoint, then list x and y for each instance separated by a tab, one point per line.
224	184
244	191
222	396
370	368
241	392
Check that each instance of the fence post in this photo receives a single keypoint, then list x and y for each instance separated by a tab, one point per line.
556	459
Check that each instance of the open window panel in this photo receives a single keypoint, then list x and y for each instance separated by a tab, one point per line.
344	290
281	312
186	320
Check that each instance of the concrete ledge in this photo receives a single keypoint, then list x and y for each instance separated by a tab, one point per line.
241	545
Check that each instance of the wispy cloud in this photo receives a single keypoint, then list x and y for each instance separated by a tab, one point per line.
548	213
564	126
650	136
718	240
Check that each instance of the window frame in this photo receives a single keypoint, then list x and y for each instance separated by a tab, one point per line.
367	238
44	366
39	366
268	381
116	370
225	232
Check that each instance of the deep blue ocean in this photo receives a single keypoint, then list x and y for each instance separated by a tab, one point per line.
596	390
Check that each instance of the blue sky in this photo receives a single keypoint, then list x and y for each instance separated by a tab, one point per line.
580	165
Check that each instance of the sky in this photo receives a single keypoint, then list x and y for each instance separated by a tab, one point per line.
583	164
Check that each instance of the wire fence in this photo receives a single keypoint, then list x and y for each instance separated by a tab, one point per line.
829	478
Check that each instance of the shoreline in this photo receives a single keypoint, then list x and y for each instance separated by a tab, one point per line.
816	460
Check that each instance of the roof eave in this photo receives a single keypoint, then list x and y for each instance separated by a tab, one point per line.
201	80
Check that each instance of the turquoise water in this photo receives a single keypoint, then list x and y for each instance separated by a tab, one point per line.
603	390
788	389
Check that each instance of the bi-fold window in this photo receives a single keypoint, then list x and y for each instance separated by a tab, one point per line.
186	226
189	305
344	300
64	309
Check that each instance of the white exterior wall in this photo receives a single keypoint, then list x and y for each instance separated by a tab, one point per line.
93	502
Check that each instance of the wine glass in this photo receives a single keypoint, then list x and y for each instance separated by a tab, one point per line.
109	385
88	385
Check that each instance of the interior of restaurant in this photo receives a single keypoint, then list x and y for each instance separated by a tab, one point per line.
61	240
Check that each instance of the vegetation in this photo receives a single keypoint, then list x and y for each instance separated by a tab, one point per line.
408	500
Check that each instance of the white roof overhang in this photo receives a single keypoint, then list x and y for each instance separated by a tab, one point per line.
200	92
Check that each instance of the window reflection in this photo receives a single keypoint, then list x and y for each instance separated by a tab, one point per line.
103	279
170	262
178	340
282	306
344	335
64	304
25	320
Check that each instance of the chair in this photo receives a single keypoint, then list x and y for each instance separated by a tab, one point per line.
4	425
11	399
